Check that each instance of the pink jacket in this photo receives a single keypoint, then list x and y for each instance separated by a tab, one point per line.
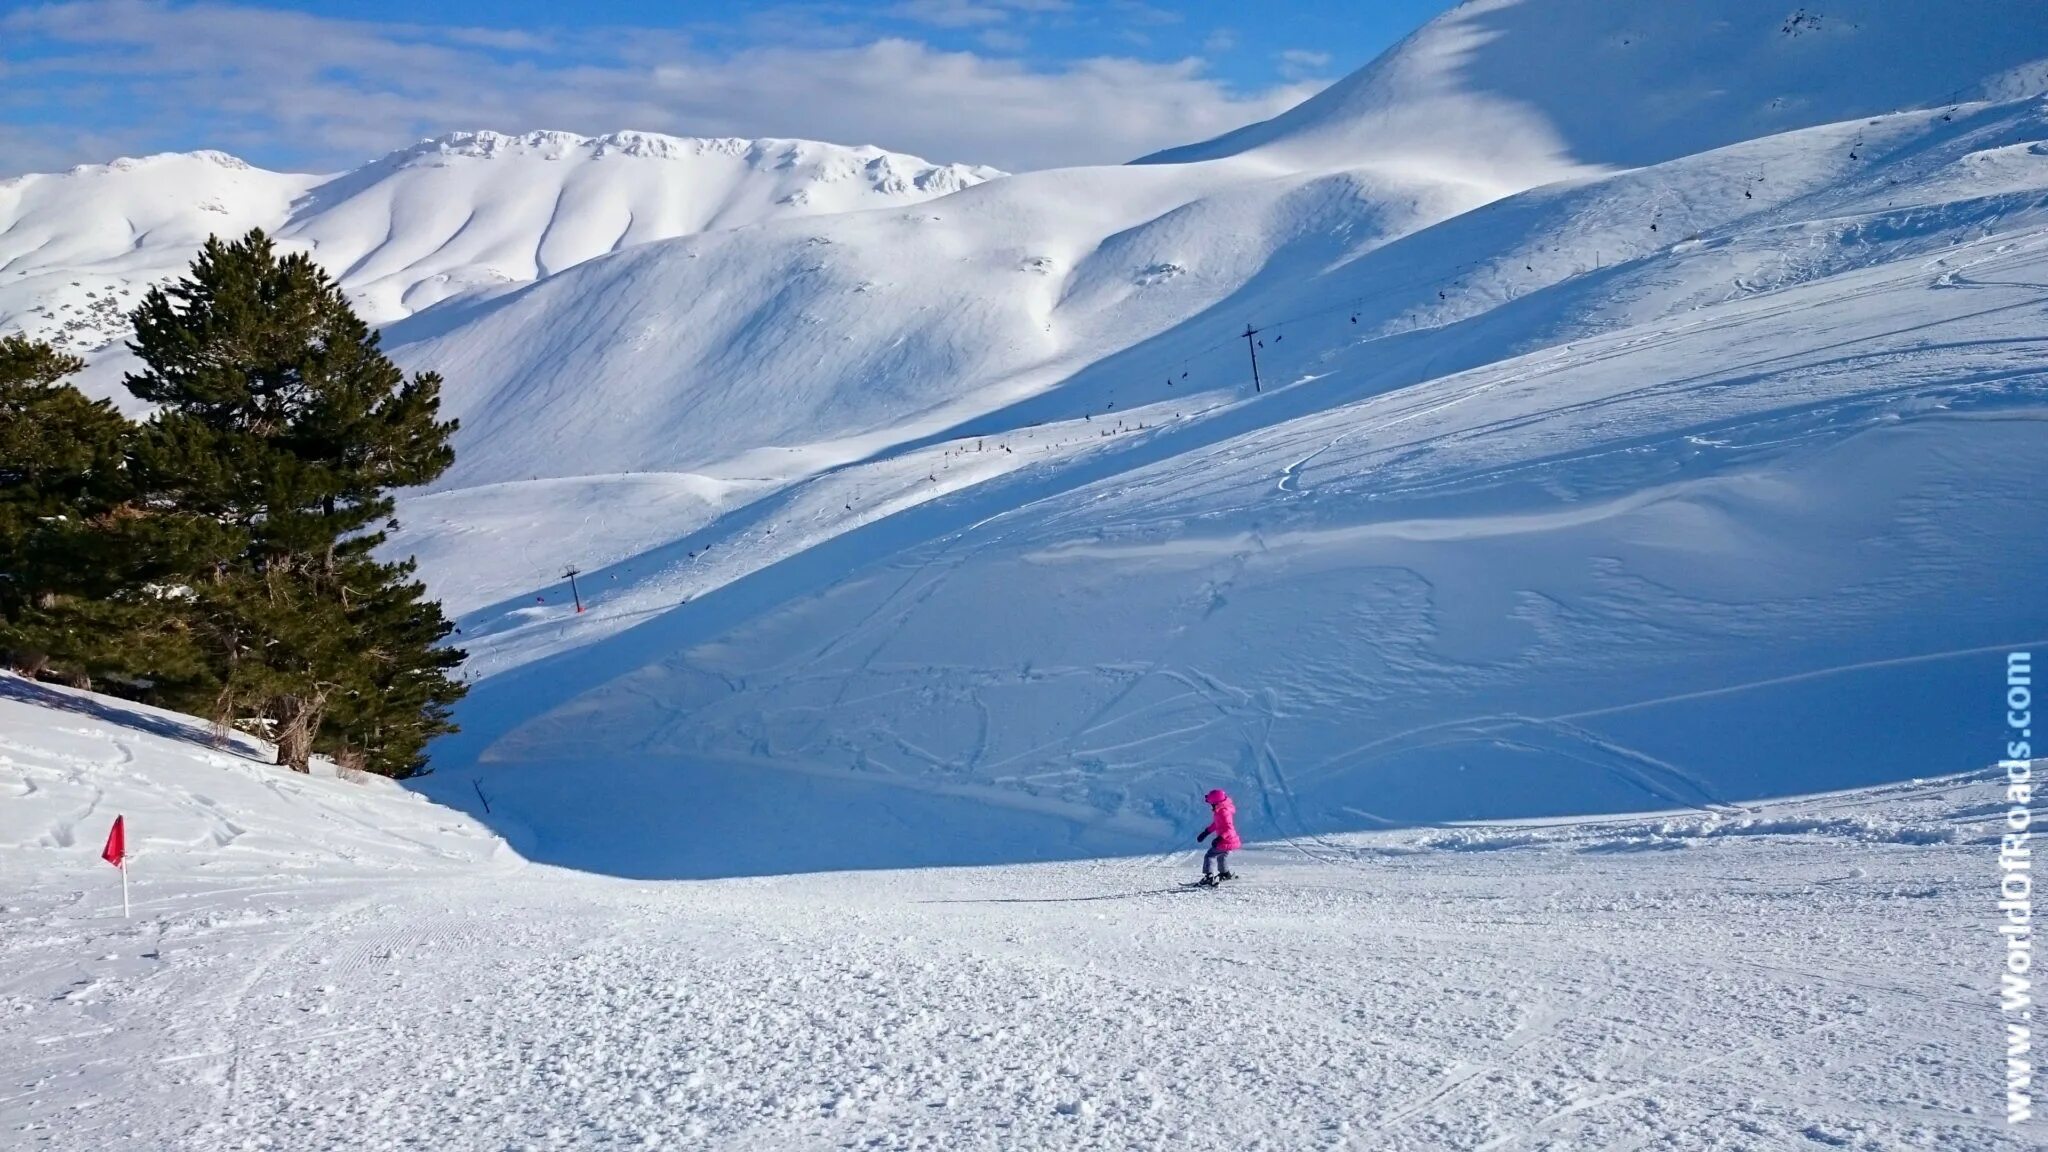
1225	825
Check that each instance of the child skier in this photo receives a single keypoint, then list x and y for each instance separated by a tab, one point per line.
1223	826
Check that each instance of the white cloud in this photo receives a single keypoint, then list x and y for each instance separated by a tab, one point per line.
1300	63
1003	40
949	13
325	93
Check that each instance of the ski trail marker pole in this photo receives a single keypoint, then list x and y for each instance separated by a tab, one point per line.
116	853
571	575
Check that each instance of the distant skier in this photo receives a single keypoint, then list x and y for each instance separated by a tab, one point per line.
1223	826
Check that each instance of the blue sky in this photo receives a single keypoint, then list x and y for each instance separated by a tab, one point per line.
321	86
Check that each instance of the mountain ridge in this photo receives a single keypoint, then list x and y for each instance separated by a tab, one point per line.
446	215
1625	84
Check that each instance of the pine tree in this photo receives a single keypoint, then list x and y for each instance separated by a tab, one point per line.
59	456
87	579
400	692
281	420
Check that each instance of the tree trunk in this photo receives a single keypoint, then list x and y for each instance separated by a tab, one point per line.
298	721
224	716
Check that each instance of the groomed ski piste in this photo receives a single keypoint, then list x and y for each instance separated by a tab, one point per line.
1599	611
324	963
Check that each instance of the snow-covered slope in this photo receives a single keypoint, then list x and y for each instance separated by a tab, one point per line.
1632	82
472	210
320	963
1775	545
480	209
1691	483
845	334
848	333
77	250
71	761
1571	485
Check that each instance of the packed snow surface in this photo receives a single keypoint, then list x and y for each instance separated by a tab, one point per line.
324	963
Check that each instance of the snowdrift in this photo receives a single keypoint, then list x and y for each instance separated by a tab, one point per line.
201	819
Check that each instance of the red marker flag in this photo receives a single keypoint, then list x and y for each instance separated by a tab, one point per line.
116	853
117	843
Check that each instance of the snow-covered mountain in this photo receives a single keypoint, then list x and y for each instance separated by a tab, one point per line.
1624	83
1645	405
468	211
858	330
1746	514
78	250
479	209
1587	474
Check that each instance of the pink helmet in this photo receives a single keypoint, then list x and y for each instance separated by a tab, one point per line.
1216	796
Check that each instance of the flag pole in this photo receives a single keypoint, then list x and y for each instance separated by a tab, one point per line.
116	853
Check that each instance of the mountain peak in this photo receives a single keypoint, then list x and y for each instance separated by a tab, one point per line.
1527	84
558	145
455	213
202	156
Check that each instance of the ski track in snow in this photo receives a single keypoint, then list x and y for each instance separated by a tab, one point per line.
1542	996
1785	975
